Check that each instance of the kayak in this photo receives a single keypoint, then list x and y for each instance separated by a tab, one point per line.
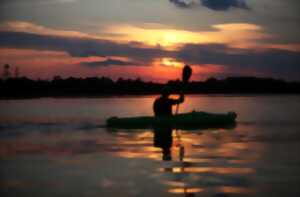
191	120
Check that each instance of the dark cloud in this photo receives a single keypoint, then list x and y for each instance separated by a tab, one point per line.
79	47
273	61
276	62
220	5
217	5
109	62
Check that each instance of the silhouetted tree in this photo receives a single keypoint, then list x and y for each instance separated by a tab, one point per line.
6	71
17	72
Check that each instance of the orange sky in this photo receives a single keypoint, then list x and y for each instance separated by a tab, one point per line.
45	64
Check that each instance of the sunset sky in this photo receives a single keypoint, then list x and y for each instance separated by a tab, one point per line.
151	39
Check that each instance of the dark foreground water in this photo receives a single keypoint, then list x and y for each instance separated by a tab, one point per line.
59	147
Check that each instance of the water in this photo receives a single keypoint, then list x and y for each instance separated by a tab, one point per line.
59	147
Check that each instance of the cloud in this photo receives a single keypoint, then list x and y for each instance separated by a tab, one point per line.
276	62
24	26
35	2
79	47
221	5
184	3
109	62
246	35
217	5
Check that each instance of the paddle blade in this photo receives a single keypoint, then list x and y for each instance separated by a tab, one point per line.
187	73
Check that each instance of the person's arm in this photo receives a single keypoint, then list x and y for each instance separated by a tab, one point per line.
178	101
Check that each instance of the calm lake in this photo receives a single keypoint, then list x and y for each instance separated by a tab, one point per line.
60	147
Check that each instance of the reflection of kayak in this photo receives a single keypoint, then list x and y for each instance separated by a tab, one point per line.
180	121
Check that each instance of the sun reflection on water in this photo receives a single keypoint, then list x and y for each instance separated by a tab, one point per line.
210	159
185	190
216	170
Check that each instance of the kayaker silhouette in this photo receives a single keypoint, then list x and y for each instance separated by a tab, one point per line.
162	107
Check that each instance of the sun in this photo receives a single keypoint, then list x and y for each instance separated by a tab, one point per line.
170	39
171	62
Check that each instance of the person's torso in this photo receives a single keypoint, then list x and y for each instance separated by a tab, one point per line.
162	107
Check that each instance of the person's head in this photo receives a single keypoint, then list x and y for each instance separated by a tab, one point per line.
166	91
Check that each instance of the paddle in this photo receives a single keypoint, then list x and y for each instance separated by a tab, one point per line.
186	75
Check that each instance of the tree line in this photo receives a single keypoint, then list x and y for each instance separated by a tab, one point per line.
23	87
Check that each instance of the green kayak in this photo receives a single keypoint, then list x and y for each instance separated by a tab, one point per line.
192	120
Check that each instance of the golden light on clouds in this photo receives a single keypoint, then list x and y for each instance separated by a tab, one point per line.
237	34
171	62
238	27
22	26
163	37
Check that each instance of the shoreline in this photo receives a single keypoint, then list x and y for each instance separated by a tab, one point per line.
146	95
